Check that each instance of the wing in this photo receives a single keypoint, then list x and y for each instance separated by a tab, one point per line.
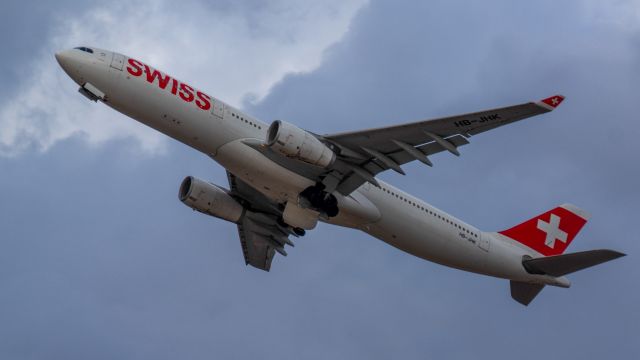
366	153
361	155
261	235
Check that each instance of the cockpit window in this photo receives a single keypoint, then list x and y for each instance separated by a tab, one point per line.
85	49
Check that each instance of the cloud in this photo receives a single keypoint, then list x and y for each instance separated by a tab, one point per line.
624	14
233	51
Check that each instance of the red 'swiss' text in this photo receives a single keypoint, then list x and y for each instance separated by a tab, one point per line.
166	82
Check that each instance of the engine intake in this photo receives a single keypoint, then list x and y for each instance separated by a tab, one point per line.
209	199
293	142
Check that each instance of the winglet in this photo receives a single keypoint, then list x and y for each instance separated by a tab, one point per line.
552	102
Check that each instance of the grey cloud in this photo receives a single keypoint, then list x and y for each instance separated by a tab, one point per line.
25	27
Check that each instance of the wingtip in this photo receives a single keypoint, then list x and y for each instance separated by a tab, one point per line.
551	102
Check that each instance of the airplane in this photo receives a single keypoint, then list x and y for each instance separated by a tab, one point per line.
283	179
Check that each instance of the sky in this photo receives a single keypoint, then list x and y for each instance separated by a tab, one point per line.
99	259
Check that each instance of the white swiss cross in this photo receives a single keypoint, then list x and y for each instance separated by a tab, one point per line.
555	101
552	228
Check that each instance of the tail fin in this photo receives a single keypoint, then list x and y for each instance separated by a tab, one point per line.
550	233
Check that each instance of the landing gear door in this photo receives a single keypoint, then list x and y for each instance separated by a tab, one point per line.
117	62
218	108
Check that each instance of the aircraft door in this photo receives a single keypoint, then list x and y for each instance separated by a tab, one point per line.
117	62
484	241
218	108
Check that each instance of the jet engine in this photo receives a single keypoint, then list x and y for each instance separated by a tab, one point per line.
209	199
293	142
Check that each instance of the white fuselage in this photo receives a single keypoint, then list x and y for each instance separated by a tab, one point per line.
218	130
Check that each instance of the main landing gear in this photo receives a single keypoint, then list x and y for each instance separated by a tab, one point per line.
316	198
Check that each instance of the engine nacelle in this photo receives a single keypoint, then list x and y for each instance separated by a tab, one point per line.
293	142
209	199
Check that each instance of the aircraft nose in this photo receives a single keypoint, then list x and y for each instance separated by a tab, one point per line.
60	57
64	59
69	63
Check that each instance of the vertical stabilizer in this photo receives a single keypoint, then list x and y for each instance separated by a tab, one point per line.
550	233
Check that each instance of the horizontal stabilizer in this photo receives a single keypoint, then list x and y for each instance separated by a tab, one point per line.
523	292
568	263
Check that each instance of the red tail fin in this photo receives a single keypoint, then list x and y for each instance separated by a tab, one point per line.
552	232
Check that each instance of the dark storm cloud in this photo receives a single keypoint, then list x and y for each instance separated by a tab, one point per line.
98	259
